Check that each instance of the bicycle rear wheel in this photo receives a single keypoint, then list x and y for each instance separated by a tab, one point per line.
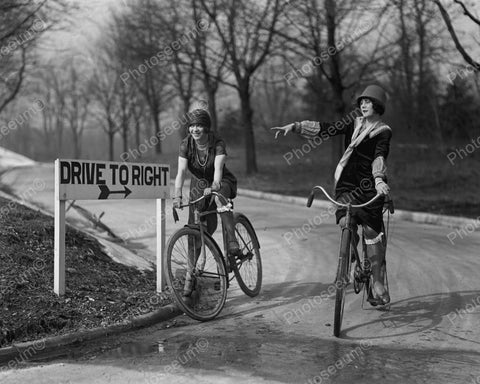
207	271
341	280
248	267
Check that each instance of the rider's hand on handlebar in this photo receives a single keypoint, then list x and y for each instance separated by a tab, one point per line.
207	191
177	202
215	187
382	188
285	129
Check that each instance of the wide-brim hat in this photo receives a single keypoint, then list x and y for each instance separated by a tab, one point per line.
375	93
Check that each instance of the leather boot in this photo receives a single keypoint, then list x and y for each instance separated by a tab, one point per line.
229	224
376	256
194	249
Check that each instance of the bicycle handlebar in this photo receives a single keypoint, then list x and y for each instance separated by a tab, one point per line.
312	196
175	214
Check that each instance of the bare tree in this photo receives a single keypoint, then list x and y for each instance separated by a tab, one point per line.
50	85
146	55
327	39
77	102
246	31
105	85
411	64
22	23
212	63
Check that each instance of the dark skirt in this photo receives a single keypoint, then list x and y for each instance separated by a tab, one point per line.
371	215
197	186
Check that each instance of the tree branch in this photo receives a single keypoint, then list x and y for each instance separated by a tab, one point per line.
14	92
467	12
451	30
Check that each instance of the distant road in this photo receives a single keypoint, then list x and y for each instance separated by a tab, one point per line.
431	333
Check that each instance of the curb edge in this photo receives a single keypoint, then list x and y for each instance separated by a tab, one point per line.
47	344
414	216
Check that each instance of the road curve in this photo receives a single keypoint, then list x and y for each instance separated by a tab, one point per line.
430	334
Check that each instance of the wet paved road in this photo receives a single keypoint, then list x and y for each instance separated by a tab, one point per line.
430	335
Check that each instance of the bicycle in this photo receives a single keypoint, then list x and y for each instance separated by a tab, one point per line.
194	257
362	274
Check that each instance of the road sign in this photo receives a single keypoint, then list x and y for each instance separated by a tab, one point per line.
106	180
98	180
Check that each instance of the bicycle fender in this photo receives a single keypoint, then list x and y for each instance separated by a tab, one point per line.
237	215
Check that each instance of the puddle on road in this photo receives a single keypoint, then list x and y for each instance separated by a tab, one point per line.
134	350
307	360
286	359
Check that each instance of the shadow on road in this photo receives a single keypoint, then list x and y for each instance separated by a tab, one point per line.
418	314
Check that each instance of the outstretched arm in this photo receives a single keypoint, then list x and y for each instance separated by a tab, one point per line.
310	129
284	129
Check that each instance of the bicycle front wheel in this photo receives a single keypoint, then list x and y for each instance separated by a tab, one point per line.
248	267
341	280
197	279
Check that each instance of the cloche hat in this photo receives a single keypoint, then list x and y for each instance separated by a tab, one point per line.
374	93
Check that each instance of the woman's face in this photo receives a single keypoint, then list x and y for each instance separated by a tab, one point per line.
366	106
198	132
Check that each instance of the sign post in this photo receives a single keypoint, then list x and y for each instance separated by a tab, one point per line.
100	180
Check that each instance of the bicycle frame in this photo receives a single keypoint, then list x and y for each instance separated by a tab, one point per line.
198	224
246	267
347	247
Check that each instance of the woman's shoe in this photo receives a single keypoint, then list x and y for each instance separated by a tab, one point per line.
188	287
381	293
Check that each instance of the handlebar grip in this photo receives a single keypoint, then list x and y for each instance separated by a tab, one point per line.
175	215
391	208
310	199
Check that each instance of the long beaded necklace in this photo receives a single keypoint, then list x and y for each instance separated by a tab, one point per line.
202	148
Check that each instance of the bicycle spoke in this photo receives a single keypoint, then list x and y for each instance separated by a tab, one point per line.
247	268
200	290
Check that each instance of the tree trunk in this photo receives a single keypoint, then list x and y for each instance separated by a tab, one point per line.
137	133
76	143
59	130
335	80
156	124
247	122
212	108
125	136
111	142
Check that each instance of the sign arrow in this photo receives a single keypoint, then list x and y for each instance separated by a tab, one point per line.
105	192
